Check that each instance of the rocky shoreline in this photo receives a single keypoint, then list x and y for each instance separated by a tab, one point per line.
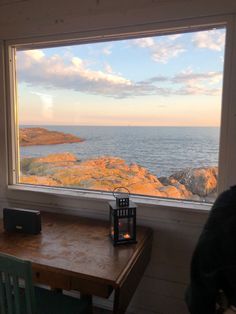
42	136
108	172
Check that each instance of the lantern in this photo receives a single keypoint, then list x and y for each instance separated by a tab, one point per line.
122	220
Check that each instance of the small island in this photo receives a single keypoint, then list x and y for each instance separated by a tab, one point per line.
42	136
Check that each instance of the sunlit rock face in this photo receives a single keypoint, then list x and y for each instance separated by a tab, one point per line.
55	158
41	136
200	181
107	173
38	180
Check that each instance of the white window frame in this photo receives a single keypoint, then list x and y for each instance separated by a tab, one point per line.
86	200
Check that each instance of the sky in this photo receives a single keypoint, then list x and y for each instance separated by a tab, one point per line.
171	80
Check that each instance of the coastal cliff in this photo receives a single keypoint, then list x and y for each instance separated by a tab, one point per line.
107	172
42	136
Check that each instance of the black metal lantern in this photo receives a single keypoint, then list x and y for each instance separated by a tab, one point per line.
122	221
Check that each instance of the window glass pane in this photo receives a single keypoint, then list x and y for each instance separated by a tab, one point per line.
139	113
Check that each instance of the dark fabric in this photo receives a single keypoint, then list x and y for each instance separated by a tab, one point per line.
213	265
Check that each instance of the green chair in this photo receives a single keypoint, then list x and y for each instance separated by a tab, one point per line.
19	296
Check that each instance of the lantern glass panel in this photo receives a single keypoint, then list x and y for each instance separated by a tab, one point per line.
125	229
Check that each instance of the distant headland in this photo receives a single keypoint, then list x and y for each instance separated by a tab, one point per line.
42	136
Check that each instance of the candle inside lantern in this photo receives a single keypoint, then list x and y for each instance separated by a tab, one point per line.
112	231
126	236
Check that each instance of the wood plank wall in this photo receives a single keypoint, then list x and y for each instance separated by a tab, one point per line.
162	288
25	18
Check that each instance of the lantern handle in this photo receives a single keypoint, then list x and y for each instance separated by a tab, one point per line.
120	187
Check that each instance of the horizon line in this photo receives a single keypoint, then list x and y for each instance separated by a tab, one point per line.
124	125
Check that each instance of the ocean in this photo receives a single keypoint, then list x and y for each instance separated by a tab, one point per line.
162	150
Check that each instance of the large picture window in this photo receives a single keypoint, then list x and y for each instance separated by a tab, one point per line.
143	113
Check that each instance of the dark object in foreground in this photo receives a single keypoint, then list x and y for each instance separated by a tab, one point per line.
22	220
213	266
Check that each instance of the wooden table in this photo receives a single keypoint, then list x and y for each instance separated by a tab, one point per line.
74	253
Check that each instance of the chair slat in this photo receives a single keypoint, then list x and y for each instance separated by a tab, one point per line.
15	281
28	299
8	294
2	295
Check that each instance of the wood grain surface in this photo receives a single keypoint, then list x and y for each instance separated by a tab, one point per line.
76	253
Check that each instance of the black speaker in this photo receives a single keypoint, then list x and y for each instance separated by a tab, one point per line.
22	220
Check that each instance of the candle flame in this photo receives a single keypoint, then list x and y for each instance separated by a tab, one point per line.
126	236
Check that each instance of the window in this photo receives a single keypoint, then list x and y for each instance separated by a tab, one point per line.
143	113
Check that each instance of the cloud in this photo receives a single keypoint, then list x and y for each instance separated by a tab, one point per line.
45	98
164	51
53	71
108	68
212	40
30	57
74	74
161	50
47	101
107	50
145	42
189	76
175	36
36	55
189	83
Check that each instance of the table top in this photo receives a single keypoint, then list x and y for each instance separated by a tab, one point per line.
76	246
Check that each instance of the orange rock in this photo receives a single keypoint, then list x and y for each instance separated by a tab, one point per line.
39	180
171	191
108	172
52	158
200	181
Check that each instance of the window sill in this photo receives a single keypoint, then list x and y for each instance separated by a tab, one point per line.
94	200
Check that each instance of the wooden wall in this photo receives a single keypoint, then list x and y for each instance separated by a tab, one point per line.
163	286
176	231
24	18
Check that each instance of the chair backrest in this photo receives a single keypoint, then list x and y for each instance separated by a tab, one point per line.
16	288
